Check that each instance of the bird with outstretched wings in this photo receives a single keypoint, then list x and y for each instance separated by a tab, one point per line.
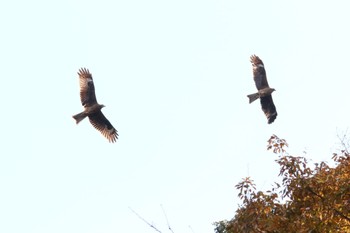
92	109
264	91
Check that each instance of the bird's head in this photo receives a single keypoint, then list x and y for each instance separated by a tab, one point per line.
273	89
101	106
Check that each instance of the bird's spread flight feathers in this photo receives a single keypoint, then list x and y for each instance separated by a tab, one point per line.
100	122
265	91
259	72
92	109
87	88
268	108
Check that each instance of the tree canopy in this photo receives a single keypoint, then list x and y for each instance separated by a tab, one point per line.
308	199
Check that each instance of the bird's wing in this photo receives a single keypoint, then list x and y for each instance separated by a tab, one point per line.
87	88
259	72
268	108
100	122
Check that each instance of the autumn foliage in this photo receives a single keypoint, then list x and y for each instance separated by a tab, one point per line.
307	199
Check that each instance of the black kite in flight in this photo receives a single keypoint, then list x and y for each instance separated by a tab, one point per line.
264	91
92	109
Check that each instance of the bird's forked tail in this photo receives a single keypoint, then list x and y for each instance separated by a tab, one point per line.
253	97
79	117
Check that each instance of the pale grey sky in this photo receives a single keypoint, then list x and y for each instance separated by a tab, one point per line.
174	76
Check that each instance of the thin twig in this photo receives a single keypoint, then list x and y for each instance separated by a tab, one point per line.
166	219
149	224
344	141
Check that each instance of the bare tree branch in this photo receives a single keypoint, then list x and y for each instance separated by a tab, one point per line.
166	219
344	141
149	224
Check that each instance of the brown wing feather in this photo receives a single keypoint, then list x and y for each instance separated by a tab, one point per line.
259	72
87	88
268	108
100	122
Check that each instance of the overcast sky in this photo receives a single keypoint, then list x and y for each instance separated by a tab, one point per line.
174	76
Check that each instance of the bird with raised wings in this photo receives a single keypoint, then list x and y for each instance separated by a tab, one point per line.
92	109
264	91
